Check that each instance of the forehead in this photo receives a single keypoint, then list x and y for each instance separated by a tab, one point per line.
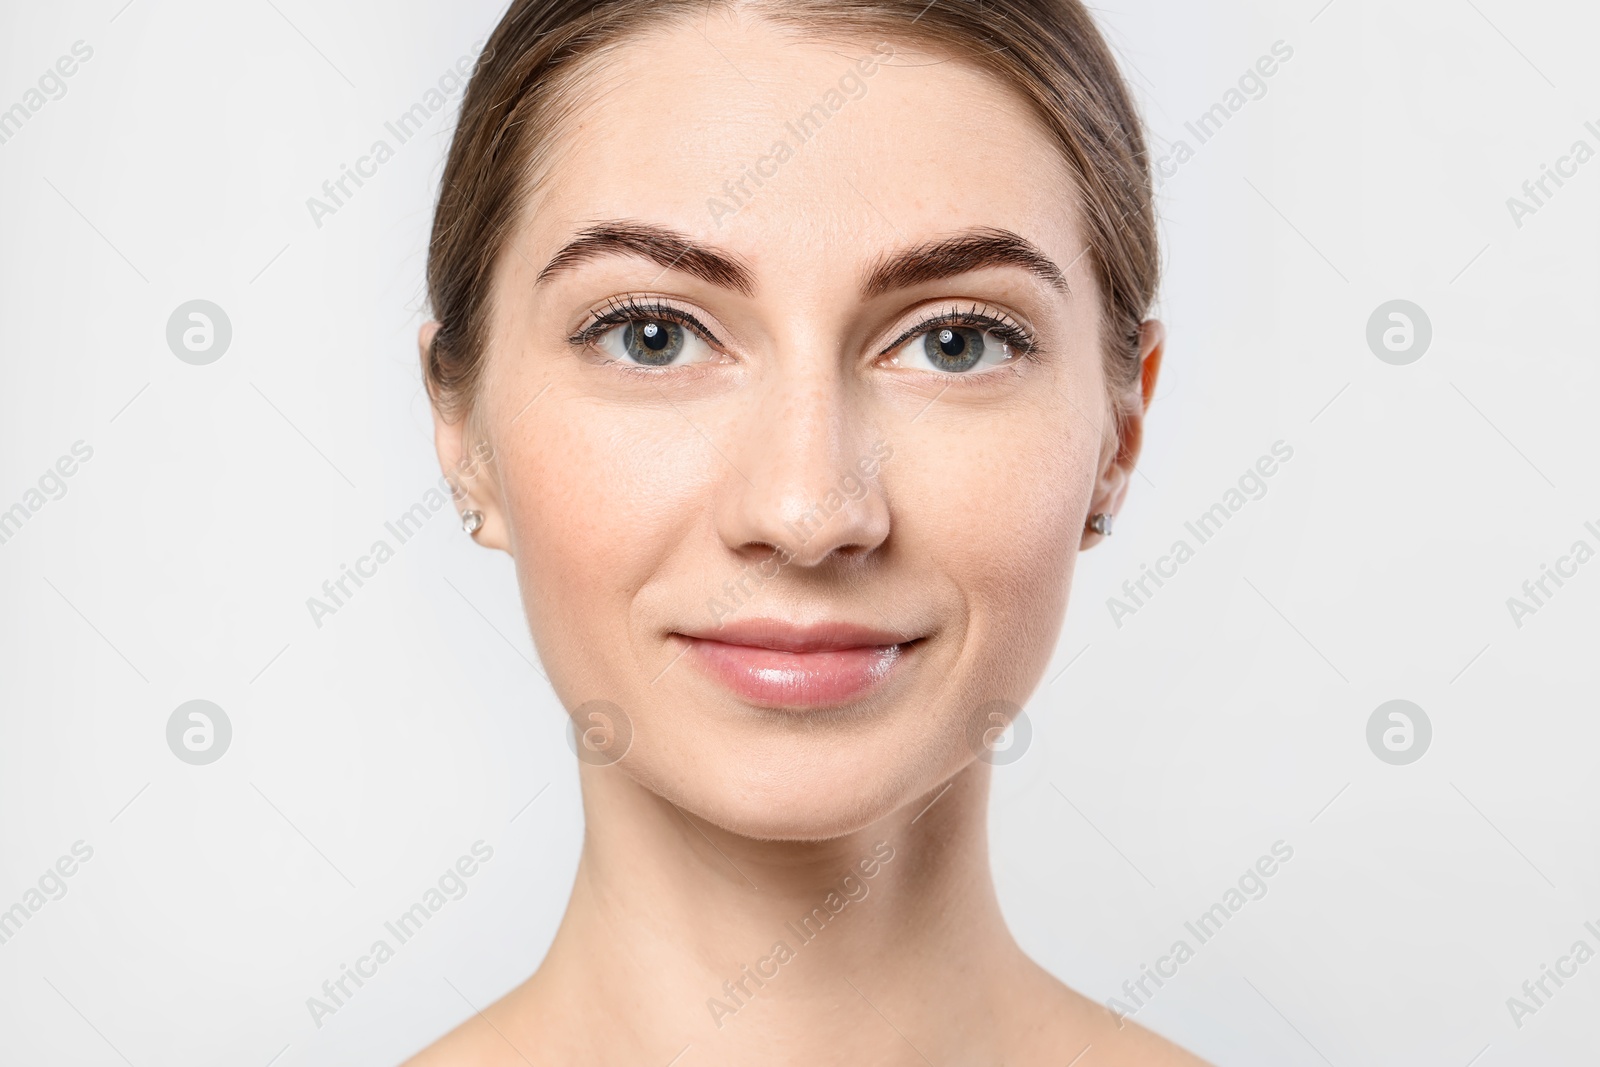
788	150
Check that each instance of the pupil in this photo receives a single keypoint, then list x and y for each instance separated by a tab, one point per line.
954	348
653	342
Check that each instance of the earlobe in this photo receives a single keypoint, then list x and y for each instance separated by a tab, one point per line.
1111	488
465	468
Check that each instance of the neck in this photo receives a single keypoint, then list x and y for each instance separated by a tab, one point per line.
729	945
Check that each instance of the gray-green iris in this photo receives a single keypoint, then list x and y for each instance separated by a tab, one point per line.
954	348
653	343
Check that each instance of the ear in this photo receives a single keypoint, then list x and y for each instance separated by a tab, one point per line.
1119	457
466	460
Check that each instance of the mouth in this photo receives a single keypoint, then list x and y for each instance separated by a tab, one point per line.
775	664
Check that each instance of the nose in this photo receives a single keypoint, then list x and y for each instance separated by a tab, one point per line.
807	478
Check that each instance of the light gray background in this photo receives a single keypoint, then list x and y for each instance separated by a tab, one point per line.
1227	714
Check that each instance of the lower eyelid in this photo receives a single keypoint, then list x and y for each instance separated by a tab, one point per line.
1020	350
594	344
1022	342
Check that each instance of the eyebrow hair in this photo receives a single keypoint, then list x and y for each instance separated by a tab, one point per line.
969	250
668	248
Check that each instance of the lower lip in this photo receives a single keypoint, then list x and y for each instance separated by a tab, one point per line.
770	678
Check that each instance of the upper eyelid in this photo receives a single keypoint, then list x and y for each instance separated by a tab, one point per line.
951	312
628	307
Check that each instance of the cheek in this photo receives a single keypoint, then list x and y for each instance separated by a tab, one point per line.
596	503
1003	514
1001	520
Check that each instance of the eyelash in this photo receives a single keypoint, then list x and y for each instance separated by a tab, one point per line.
627	308
1003	328
621	310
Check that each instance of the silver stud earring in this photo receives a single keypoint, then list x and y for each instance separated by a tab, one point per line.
1100	523
472	521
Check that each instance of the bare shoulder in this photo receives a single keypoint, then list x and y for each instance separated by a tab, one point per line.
498	1036
468	1045
1132	1045
1097	1036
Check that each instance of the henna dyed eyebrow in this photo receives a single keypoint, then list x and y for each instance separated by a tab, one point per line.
948	257
668	248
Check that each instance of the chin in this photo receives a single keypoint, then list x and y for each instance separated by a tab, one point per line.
799	779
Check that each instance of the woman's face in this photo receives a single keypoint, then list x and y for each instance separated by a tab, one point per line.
804	502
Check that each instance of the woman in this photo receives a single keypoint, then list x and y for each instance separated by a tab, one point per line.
809	343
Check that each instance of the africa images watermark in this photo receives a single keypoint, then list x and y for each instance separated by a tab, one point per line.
52	85
1252	885
52	886
737	194
1566	567
451	885
1252	485
338	590
852	485
337	192
1252	85
1566	967
52	485
1537	191
736	993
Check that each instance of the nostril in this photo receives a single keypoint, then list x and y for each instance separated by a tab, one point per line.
808	501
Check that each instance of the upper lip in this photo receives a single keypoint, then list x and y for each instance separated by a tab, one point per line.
783	636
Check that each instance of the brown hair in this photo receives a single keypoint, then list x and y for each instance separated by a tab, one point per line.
1049	51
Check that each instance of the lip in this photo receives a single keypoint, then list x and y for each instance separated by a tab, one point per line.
778	664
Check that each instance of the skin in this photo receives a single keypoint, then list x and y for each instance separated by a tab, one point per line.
628	501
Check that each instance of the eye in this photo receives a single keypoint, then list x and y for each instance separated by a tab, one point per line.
961	343
653	343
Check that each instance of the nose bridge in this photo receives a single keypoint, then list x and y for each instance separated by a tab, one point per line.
809	485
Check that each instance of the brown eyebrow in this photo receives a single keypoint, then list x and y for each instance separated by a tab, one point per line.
970	250
668	248
967	251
